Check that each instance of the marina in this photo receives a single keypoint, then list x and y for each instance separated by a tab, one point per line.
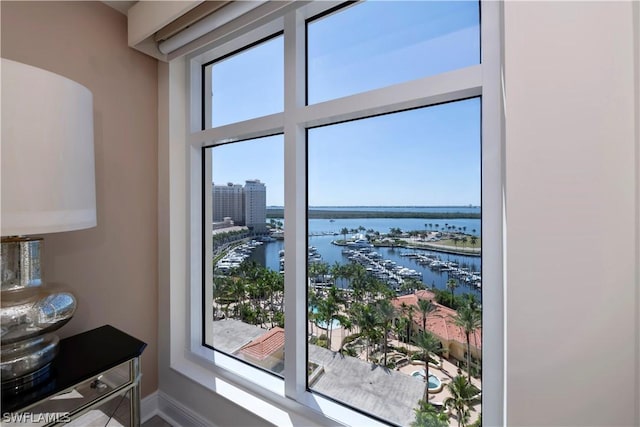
393	266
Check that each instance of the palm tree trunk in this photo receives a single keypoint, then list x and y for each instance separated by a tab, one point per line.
384	344
468	358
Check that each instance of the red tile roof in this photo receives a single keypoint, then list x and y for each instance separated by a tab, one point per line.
265	345
440	322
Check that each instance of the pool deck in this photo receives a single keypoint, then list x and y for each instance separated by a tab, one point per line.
445	374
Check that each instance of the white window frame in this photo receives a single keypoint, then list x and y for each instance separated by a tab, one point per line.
265	395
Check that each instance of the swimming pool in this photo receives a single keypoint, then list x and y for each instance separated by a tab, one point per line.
434	382
322	324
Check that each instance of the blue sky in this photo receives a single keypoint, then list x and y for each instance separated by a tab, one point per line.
428	156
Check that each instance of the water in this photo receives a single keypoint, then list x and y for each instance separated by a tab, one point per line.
419	209
383	225
434	382
268	254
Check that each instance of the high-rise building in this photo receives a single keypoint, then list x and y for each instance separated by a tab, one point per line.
228	201
244	205
255	204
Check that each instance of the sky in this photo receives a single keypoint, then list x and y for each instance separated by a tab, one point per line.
423	157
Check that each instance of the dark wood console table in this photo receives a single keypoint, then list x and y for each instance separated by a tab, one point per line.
90	372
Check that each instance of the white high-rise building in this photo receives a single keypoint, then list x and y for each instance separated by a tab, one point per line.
255	204
243	205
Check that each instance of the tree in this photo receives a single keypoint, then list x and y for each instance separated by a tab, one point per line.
462	392
410	310
344	233
452	285
395	231
386	314
425	307
428	416
429	344
329	310
401	329
469	319
474	240
368	322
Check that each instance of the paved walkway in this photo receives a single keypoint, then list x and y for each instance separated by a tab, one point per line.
445	374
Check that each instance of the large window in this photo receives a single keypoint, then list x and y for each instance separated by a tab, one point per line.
341	151
395	260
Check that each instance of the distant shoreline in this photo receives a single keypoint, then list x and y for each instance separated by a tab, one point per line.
349	214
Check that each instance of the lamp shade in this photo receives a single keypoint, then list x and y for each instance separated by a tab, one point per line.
48	173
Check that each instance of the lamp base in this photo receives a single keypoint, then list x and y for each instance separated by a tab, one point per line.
28	312
20	263
18	385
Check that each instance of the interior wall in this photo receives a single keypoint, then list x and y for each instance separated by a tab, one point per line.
572	224
571	221
112	268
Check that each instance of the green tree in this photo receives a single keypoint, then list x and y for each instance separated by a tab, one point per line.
428	416
410	310
462	392
469	318
428	343
452	285
344	233
395	231
329	310
366	317
386	314
401	329
425	307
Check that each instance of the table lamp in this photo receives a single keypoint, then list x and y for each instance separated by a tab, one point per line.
48	186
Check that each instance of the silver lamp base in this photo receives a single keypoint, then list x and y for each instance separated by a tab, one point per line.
28	314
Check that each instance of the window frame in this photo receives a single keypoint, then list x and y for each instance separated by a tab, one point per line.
266	395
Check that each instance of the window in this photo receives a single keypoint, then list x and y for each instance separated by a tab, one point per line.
394	226
248	251
344	229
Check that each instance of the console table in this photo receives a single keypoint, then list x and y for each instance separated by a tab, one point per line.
90	378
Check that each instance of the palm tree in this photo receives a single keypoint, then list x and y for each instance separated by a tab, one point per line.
452	285
401	329
410	310
462	392
386	314
329	310
344	233
469	319
368	322
429	344
428	416
425	307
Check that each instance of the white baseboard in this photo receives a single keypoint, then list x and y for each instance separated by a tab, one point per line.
172	411
149	407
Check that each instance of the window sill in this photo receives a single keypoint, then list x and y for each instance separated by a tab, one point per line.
265	401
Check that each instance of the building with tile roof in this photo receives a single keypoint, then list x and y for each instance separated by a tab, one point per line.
266	350
441	323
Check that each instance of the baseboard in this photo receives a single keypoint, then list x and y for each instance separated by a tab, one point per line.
149	407
172	411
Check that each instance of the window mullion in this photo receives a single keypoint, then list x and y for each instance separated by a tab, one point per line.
295	207
493	216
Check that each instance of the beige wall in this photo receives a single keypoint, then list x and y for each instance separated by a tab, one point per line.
572	190
572	219
112	268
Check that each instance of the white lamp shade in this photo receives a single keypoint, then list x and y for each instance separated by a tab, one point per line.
48	174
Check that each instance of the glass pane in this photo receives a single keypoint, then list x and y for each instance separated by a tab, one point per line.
248	84
395	251
378	43
248	284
